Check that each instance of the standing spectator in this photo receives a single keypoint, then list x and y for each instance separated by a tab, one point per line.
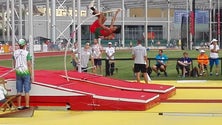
202	60
161	63
110	51
74	55
23	68
214	57
139	55
97	51
116	44
184	64
86	54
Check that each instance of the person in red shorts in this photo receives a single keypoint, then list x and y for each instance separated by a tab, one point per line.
102	31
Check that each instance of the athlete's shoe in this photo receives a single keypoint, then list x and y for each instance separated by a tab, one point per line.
93	9
91	6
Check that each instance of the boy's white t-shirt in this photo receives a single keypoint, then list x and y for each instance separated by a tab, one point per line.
21	57
3	92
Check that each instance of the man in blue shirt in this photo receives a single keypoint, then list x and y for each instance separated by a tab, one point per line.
161	63
184	63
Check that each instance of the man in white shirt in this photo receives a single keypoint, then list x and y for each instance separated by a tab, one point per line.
214	57
139	55
86	54
97	54
110	51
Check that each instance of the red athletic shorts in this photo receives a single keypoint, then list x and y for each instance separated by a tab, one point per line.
94	26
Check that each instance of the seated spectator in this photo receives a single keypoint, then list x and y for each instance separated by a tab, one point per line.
202	60
161	63
3	93
184	64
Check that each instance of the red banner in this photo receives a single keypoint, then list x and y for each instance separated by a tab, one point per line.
192	23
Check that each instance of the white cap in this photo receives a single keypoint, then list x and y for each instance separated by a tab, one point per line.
109	43
214	40
21	42
202	51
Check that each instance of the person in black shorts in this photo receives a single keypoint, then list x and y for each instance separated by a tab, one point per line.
139	54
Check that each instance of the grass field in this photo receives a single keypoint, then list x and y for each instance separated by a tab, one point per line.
124	66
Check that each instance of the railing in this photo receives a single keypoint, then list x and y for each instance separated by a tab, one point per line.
169	59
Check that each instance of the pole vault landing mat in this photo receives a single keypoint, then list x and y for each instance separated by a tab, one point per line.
99	97
92	92
165	91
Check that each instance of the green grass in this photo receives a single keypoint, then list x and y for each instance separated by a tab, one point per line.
124	66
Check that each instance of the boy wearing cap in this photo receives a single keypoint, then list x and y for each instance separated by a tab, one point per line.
110	51
214	57
23	68
184	64
202	60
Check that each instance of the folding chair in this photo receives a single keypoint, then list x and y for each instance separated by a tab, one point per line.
9	103
205	73
188	69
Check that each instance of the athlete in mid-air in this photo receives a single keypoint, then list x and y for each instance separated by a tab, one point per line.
102	31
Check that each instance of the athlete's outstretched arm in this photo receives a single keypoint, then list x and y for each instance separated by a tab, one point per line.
114	17
102	20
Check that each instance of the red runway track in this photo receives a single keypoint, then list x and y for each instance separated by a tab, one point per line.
8	56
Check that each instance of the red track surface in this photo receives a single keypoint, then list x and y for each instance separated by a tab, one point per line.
37	54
